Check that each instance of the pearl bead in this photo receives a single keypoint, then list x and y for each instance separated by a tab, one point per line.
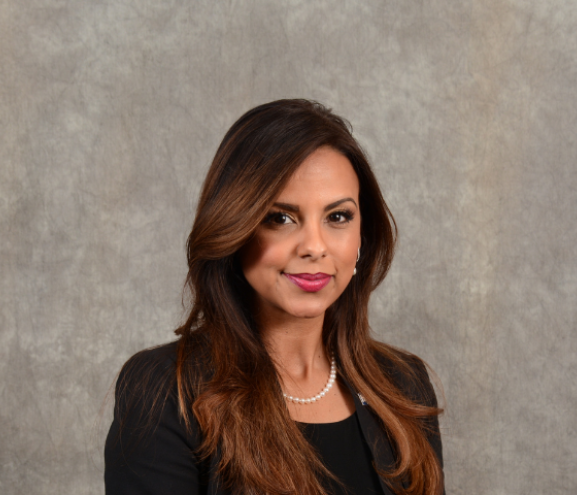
320	395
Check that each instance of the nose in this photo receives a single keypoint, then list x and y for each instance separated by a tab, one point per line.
312	243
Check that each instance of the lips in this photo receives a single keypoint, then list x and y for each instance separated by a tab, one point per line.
309	282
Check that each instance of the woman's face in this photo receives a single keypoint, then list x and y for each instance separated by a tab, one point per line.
303	255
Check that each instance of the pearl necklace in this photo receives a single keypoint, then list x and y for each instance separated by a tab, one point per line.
322	393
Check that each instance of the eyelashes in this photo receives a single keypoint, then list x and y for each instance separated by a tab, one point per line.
339	217
277	218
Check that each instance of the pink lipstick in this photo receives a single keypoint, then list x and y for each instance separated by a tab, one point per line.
309	282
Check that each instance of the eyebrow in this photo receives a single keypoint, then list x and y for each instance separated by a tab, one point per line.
295	209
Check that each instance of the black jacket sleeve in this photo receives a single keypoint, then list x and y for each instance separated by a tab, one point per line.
416	385
148	450
425	394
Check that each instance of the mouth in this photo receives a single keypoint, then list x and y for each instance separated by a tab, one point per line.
309	282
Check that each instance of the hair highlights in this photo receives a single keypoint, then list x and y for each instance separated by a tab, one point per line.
235	395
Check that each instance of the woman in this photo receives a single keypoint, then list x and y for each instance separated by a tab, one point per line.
275	385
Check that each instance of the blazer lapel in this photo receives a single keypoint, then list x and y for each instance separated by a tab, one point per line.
374	435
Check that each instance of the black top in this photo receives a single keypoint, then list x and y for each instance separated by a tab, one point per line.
343	450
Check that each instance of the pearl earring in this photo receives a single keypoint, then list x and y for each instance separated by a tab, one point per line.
358	256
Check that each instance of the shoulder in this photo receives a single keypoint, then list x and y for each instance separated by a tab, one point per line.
148	447
145	383
153	360
148	380
150	370
408	373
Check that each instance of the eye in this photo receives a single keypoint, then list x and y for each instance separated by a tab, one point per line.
278	218
341	216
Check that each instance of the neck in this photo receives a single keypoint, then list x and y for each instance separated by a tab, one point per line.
294	344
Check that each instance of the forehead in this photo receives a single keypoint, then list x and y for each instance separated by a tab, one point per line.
325	175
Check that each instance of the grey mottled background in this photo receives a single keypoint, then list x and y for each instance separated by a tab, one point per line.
110	112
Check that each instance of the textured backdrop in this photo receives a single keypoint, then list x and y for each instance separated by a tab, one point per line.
110	112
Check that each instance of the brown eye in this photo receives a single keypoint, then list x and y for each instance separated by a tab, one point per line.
340	217
278	218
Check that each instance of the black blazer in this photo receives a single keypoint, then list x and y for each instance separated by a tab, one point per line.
158	457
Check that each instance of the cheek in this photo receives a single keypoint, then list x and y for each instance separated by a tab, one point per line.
261	254
345	249
351	251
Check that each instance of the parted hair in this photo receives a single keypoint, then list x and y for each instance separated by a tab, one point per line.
234	394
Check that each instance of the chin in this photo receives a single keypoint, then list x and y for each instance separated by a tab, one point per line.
308	312
308	316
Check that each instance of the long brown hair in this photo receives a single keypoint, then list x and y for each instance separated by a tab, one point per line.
226	380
